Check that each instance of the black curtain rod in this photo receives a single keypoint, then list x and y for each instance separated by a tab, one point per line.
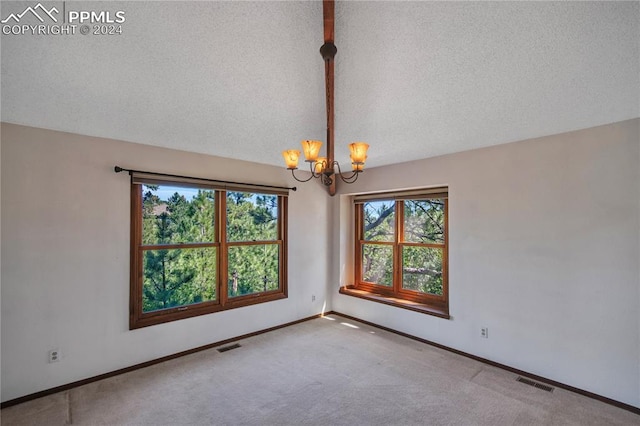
119	169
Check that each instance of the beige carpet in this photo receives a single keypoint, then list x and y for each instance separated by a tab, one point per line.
328	371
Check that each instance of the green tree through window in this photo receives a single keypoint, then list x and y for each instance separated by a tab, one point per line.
401	247
197	250
177	276
252	230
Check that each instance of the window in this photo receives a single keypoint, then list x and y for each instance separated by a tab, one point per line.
197	248
401	250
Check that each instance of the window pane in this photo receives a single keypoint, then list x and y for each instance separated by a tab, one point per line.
377	264
178	277
173	214
253	269
252	217
424	221
379	220
422	269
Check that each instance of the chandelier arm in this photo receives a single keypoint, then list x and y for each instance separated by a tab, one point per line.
301	180
313	173
335	163
349	179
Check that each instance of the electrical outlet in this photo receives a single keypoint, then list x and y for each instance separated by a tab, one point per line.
54	355
313	297
484	332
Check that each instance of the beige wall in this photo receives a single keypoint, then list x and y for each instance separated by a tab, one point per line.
544	250
65	257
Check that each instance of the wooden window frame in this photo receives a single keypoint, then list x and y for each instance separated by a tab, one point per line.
396	295
139	319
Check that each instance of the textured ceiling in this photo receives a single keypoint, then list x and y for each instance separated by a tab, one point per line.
245	79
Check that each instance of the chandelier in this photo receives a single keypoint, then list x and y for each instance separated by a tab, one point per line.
323	168
326	168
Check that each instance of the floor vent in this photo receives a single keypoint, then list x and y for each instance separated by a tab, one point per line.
535	384
228	348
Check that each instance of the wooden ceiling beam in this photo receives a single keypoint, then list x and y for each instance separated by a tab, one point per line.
328	13
328	51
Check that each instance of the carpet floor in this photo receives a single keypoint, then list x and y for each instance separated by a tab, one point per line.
327	371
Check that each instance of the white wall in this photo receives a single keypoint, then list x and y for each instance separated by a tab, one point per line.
65	257
544	250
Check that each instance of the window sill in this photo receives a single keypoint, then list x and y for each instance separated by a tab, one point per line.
189	311
398	303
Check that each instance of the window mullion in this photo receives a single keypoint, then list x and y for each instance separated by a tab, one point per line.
397	249
445	254
283	268
252	243
358	244
221	218
432	245
177	246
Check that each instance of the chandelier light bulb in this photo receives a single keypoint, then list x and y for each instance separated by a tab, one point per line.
311	150
356	166
358	152
291	157
320	165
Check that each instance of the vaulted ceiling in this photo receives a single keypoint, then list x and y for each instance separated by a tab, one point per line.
245	79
